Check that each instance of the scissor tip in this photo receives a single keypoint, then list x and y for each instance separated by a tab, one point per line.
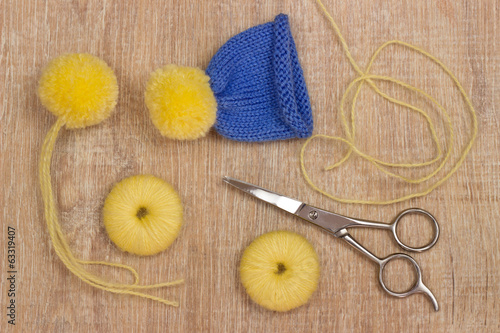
227	179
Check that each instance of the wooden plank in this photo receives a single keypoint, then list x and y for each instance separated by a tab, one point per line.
134	38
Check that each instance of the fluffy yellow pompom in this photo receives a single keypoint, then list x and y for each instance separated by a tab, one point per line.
280	270
180	101
143	214
79	88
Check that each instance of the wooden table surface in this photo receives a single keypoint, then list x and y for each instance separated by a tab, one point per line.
136	37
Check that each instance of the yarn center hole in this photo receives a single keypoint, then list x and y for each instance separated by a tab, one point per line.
281	269
142	212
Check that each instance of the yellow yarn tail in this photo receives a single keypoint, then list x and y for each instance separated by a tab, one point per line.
350	129
61	245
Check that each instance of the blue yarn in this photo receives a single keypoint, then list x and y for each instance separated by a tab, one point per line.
259	86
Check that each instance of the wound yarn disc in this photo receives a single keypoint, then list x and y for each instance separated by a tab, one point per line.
142	214
280	270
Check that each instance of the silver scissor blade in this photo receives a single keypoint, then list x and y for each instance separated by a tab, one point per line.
331	222
288	204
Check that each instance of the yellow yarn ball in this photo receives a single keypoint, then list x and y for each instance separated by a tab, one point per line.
80	88
180	101
280	270
142	214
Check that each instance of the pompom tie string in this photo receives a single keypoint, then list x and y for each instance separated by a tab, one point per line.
61	246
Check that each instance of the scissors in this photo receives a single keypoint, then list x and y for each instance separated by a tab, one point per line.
337	225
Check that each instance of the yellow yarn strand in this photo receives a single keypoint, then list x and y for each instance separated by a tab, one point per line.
350	129
61	246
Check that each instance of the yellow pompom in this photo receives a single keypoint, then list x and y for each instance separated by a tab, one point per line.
79	88
180	101
280	270
143	214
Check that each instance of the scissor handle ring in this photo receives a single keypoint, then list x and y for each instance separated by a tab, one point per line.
418	286
414	288
394	226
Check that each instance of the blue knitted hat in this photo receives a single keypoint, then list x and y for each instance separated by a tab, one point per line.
259	86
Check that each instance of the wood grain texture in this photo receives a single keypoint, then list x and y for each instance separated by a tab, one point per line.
134	38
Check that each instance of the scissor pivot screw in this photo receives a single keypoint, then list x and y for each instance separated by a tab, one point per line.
313	215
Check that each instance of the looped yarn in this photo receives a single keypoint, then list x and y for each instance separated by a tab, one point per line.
364	77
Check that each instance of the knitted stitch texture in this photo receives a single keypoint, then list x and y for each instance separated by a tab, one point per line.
259	86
